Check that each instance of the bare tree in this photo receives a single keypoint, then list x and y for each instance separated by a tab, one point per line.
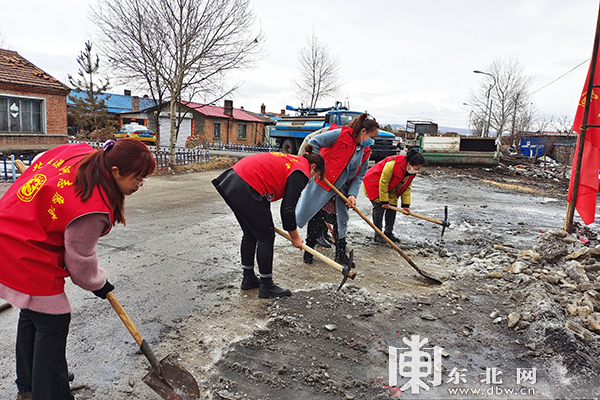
501	100
318	72
181	49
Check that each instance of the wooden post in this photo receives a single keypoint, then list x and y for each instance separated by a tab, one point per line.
583	130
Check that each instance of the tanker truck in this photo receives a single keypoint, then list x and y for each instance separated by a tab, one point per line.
290	131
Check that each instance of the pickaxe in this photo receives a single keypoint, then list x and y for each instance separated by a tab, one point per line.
443	223
346	271
412	264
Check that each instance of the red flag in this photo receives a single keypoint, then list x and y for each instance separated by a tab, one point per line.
590	161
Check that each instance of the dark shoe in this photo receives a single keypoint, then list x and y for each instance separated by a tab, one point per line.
392	237
340	253
250	281
322	241
268	289
378	239
308	258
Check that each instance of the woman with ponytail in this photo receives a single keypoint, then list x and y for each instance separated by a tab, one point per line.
346	151
50	221
248	188
386	182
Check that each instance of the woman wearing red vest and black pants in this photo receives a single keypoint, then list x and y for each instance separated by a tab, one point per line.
50	221
386	182
248	188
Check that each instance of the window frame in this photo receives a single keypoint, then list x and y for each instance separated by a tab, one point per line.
242	135
31	113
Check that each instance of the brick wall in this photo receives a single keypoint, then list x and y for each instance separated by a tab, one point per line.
56	121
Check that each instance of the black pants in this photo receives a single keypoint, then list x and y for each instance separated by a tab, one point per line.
378	215
41	355
253	213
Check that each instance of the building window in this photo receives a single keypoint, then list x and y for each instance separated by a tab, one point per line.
242	131
20	114
217	131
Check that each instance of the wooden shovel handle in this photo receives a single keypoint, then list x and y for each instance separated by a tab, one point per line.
112	299
368	221
20	166
325	259
426	218
144	346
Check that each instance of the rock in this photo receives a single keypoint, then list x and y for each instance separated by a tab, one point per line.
425	300
550	278
494	314
583	312
513	318
572	310
580	330
557	232
428	317
578	253
494	275
576	272
330	327
498	319
516	267
594	322
530	255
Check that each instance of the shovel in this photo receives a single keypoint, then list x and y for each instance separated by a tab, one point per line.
167	378
346	271
443	223
412	264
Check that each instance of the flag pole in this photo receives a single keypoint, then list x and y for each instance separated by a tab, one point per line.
583	130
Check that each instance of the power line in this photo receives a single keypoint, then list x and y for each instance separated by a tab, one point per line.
571	70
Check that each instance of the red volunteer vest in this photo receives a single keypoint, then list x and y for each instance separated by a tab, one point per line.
373	175
267	173
34	213
338	155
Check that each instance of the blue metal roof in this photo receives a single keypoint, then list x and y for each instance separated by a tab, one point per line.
117	103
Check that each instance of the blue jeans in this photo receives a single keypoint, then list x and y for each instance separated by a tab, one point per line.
41	355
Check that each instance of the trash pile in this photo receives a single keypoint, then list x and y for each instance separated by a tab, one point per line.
542	167
555	292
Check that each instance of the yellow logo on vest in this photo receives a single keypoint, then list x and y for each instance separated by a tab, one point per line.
28	191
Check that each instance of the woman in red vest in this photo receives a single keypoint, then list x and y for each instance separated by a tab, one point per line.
386	182
248	188
346	151
50	221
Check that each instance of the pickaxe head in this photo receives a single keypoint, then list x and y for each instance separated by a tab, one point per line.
445	223
347	271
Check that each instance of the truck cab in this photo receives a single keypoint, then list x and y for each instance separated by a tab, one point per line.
290	131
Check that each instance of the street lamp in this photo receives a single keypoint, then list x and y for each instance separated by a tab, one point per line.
488	102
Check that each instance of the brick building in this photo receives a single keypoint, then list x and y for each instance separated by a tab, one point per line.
33	106
202	123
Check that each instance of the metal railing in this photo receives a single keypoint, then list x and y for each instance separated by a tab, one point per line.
259	148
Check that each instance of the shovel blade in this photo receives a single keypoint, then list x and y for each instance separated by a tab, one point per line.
176	383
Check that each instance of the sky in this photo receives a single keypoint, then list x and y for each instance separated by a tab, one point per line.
399	59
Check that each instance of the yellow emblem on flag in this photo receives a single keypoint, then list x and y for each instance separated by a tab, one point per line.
28	191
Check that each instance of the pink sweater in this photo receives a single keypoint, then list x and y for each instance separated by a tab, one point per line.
81	236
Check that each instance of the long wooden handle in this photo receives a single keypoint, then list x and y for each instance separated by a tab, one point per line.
325	259
125	318
144	346
412	264
426	218
20	166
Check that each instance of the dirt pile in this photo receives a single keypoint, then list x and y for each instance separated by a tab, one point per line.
503	308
